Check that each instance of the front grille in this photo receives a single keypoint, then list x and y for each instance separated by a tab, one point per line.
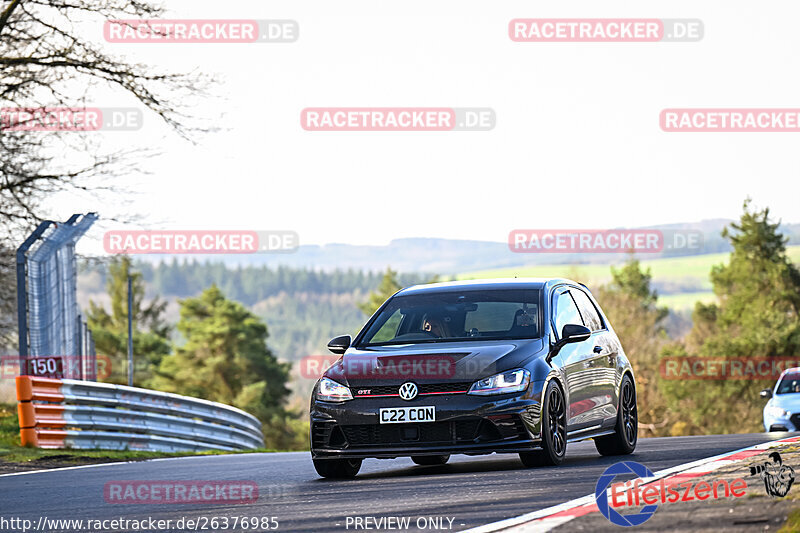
439	388
428	388
375	391
466	430
453	432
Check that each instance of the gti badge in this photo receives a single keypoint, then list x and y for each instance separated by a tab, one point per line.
408	391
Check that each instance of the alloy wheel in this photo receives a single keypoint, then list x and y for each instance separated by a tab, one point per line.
557	419
629	415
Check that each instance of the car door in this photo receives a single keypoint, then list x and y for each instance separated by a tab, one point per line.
603	363
576	361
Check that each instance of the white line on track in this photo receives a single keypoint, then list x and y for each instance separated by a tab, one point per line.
45	470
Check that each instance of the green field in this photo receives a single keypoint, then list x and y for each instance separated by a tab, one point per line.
684	301
678	271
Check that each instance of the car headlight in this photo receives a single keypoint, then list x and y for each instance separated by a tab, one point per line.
330	391
503	383
777	412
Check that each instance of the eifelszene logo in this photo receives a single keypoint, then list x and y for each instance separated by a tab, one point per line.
668	489
601	496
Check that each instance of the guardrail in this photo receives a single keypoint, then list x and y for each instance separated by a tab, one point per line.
66	413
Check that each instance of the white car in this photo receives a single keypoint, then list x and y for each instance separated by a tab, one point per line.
782	412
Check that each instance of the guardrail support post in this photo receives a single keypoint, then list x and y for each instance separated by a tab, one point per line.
27	419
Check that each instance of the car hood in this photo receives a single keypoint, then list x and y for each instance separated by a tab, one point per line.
789	401
450	362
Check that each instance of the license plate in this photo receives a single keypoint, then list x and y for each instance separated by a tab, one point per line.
401	415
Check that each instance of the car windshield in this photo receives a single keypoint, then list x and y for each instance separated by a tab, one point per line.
457	316
789	383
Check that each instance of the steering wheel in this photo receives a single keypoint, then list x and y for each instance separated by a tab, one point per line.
415	335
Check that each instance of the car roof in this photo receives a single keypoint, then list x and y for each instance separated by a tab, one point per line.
794	369
485	284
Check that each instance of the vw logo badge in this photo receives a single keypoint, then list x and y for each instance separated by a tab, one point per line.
408	391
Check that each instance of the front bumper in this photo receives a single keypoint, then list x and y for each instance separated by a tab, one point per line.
788	423
464	424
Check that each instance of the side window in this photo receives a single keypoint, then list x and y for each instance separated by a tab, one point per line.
566	312
588	310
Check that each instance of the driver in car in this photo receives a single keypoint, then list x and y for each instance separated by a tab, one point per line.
435	326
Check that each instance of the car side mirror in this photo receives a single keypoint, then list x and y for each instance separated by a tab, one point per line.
569	333
766	394
340	344
574	333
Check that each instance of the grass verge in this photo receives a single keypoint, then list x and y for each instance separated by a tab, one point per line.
792	524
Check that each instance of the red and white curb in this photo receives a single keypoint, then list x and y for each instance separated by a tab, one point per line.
547	519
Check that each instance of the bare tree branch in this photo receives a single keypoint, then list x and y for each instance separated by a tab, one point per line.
48	60
6	14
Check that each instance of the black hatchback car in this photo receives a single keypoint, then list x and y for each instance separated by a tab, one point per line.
516	366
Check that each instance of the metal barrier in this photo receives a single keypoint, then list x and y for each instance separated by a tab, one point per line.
66	413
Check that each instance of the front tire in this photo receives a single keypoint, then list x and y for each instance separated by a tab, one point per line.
554	430
430	460
626	431
337	468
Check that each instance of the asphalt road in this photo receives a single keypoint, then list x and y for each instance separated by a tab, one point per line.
471	491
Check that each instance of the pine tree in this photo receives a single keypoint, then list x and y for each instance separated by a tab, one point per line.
388	286
758	295
226	359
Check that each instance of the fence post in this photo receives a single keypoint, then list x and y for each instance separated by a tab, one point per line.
22	294
130	330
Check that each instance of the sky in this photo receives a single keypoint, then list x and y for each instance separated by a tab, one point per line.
577	142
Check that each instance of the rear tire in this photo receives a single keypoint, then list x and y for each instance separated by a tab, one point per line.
554	430
626	431
430	460
337	468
